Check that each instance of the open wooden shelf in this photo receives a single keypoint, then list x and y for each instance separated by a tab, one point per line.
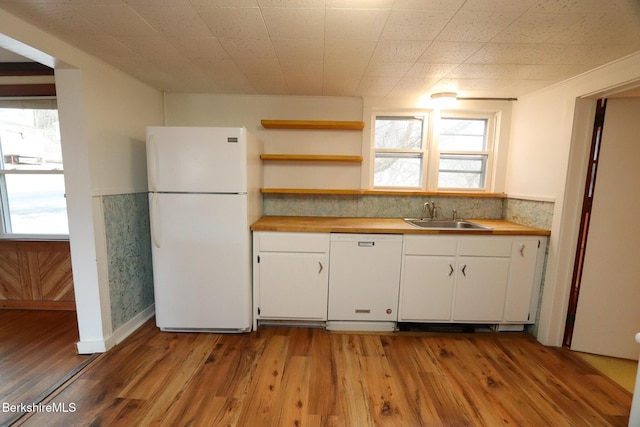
311	158
312	124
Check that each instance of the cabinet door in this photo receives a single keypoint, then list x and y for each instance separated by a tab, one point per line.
293	285
480	289
427	288
523	280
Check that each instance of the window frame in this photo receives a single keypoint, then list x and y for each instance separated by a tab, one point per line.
423	151
489	151
431	151
48	104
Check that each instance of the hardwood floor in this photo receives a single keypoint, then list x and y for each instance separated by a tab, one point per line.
37	352
280	376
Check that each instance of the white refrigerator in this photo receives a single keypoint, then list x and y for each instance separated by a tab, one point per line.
204	193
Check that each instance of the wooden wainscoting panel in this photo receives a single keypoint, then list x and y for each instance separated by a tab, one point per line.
36	275
10	273
56	279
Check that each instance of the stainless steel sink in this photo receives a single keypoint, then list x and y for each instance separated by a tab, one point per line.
445	224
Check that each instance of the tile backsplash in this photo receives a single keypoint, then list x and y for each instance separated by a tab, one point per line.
126	218
533	213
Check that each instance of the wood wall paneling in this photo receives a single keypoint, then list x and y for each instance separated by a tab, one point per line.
36	275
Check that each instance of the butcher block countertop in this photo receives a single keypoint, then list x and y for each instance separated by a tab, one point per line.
308	224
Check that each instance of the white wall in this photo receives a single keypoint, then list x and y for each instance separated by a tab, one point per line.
551	133
247	110
103	117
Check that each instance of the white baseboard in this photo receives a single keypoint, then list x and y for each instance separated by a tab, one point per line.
101	346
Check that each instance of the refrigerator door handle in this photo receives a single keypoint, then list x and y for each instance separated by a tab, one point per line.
153	163
155	235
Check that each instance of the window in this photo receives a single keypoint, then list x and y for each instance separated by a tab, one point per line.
399	151
454	153
462	145
32	194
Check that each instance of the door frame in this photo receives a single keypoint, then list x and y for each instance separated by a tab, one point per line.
585	216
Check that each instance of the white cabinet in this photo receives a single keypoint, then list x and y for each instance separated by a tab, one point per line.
364	278
428	278
378	279
525	278
483	279
290	275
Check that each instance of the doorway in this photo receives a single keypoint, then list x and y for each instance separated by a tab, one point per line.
606	308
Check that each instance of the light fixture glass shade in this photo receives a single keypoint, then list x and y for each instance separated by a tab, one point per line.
444	99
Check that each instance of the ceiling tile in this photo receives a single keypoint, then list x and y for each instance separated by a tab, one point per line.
294	24
359	4
344	47
428	71
200	4
376	86
297	50
116	20
302	4
603	27
409	86
235	22
269	84
386	69
355	24
408	25
399	51
537	27
248	49
568	6
355	50
498	5
449	52
343	86
451	5
476	26
299	84
258	66
336	70
177	20
201	50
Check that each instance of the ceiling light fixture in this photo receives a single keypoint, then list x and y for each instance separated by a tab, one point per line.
444	99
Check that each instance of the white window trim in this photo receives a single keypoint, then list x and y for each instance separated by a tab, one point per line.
489	151
426	131
431	153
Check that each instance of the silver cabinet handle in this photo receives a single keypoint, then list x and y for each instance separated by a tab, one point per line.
366	244
321	267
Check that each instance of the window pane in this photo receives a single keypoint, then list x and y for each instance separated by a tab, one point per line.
462	171
30	139
397	171
463	134
36	204
398	132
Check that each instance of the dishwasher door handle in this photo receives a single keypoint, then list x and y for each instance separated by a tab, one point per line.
366	244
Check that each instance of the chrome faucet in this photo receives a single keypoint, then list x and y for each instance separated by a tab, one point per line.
431	208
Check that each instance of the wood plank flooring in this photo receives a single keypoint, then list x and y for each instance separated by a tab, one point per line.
280	376
37	351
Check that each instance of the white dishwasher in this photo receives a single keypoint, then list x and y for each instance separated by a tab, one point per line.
364	281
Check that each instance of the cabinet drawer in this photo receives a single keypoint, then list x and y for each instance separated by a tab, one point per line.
292	242
492	247
430	245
